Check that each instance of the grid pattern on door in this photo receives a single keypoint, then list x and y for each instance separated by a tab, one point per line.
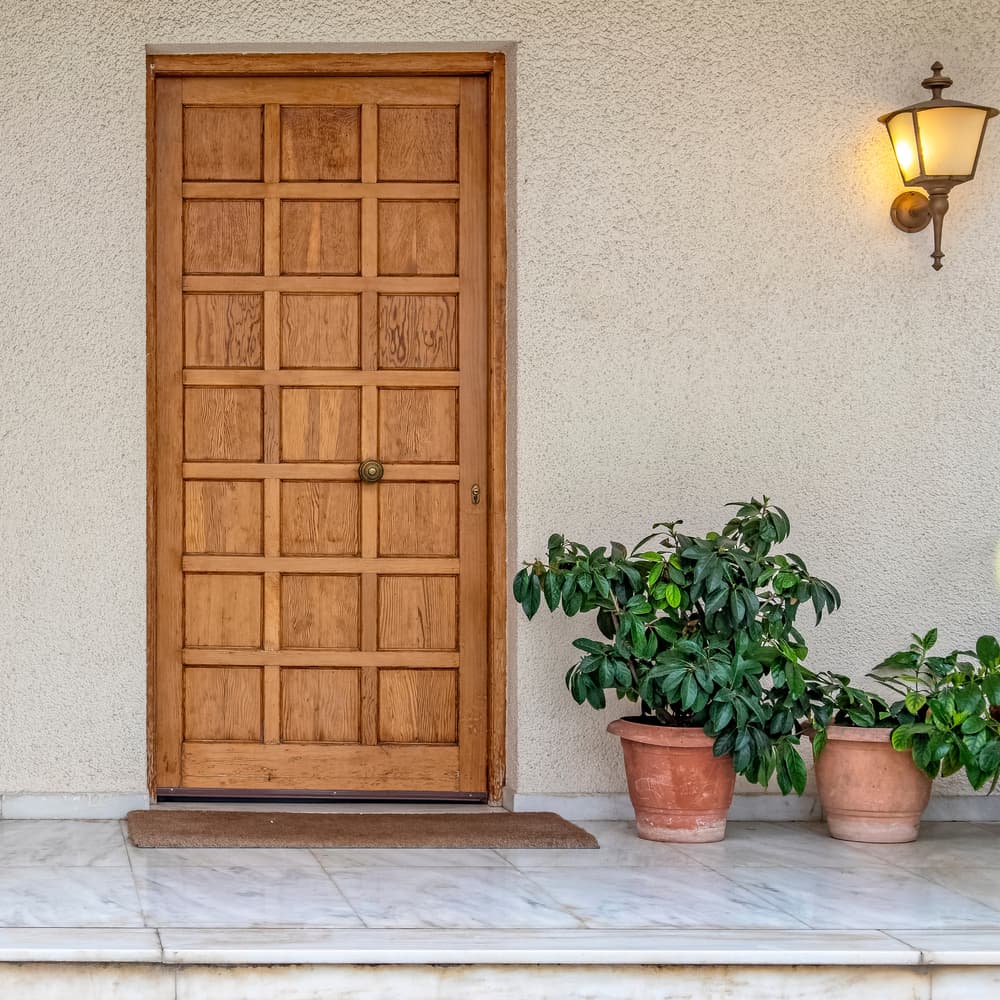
321	300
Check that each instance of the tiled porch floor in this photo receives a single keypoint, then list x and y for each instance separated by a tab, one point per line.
772	892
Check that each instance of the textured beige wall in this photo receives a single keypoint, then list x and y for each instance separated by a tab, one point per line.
709	301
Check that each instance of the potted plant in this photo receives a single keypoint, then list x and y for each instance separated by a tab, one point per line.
700	632
875	760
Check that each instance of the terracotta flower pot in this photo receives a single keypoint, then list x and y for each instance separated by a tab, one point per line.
869	792
681	792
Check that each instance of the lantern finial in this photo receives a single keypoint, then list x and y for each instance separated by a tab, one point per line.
936	83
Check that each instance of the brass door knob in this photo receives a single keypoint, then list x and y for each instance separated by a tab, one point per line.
371	471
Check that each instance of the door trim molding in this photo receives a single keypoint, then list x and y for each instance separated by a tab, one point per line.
491	65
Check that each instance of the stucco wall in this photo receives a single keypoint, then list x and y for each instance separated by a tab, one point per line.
710	302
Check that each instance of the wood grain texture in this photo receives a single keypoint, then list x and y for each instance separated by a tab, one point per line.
497	490
223	424
308	64
320	331
418	331
417	351
166	362
321	143
320	612
223	237
224	331
320	237
320	706
418	425
223	144
223	518
309	767
320	518
418	519
417	612
418	237
320	425
473	441
222	703
418	144
222	610
418	706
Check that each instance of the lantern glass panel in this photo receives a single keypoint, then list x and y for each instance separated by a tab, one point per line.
949	140
904	145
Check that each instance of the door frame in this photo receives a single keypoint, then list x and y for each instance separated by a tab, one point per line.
492	66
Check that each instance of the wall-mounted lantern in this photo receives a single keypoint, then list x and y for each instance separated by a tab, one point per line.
937	145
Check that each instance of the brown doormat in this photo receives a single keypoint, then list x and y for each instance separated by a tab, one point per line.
217	828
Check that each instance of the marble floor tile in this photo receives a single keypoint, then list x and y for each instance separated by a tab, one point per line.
68	897
222	857
864	899
782	845
954	947
977	880
353	859
658	897
941	846
620	847
241	897
63	843
432	897
538	946
79	944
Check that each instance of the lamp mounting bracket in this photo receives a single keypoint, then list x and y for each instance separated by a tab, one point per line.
910	211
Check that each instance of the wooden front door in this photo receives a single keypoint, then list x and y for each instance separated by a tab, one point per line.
321	321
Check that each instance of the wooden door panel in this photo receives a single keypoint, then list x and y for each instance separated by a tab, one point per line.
320	331
223	237
417	612
417	144
418	425
418	237
321	143
223	703
223	331
223	424
223	144
223	517
320	425
418	706
320	706
418	331
320	237
320	612
321	300
222	610
418	519
320	519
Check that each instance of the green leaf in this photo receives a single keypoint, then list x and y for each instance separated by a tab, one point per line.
969	699
673	595
914	702
819	741
520	585
796	770
991	688
595	696
689	691
988	650
902	738
552	589
533	598
930	639
590	646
